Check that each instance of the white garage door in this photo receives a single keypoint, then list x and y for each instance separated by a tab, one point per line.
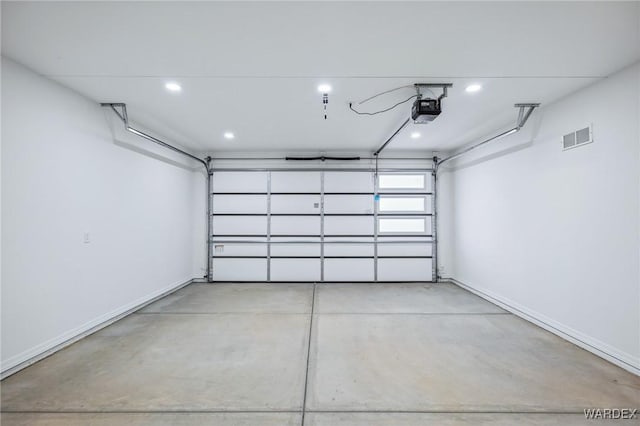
322	225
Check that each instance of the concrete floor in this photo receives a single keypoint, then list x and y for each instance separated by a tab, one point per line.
253	354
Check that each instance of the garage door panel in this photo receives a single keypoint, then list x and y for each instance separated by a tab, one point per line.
348	182
404	249
239	204
341	249
362	204
311	250
239	269
295	269
404	269
239	182
305	204
295	225
295	182
348	225
239	249
240	225
348	270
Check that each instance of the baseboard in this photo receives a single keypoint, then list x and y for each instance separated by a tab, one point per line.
43	350
595	346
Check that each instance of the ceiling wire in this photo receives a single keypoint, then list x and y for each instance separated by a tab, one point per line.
383	110
408	86
384	93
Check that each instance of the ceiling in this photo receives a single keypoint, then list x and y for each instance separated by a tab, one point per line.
253	67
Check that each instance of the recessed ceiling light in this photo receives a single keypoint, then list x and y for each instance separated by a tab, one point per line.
415	135
173	87
324	88
229	135
473	88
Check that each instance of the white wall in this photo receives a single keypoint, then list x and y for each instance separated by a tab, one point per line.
63	175
556	234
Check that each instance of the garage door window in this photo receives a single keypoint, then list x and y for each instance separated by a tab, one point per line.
413	182
402	204
403	225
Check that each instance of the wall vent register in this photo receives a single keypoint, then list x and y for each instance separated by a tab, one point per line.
578	138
